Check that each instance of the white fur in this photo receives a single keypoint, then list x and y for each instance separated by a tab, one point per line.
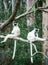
14	51
31	37
15	32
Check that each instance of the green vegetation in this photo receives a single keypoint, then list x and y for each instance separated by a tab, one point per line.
23	49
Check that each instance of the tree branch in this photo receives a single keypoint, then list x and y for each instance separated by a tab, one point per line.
24	14
29	12
21	39
46	7
24	40
12	17
15	38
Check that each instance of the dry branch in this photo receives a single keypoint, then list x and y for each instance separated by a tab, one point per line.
24	14
15	38
23	40
12	17
29	12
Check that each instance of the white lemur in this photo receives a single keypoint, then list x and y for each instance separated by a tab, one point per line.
33	36
15	32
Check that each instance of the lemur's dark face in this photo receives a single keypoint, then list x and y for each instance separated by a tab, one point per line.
36	30
15	24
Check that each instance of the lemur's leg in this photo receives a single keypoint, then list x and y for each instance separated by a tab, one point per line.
5	39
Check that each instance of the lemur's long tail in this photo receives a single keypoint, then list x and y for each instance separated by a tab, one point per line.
14	51
31	52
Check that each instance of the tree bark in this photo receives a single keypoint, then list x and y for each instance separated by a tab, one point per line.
31	18
45	29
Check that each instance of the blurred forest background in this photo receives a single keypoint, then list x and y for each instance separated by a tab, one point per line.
23	49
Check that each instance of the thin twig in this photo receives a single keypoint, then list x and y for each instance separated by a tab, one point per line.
24	14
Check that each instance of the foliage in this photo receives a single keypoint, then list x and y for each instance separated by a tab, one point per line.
23	49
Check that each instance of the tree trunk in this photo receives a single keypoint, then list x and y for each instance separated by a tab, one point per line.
45	30
31	18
